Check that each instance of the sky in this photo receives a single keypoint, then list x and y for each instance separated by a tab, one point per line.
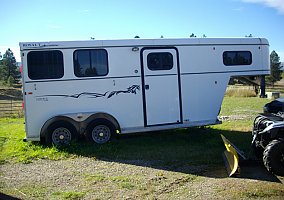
61	20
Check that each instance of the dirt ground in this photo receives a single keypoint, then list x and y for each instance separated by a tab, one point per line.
98	179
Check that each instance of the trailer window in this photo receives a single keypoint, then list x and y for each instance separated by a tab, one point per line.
237	58
45	64
90	63
160	61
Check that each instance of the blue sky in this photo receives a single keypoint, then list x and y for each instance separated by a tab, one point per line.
57	20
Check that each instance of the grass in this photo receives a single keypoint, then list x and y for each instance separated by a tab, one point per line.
243	106
240	92
255	190
13	149
165	152
174	147
71	195
169	146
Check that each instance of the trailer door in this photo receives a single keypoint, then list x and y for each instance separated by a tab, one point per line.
161	86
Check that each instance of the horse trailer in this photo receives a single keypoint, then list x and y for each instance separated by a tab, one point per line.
99	88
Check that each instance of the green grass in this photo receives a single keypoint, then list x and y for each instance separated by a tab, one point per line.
71	195
174	148
13	149
165	147
245	106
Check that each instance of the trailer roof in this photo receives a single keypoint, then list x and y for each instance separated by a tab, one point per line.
142	42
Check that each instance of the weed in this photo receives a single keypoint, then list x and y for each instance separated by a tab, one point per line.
123	181
94	177
71	195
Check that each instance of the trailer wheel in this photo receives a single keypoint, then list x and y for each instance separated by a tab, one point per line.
100	131
273	157
61	134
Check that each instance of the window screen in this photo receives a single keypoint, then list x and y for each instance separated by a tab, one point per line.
160	61
45	64
237	58
90	63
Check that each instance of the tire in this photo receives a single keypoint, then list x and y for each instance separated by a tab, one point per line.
273	157
100	131
61	134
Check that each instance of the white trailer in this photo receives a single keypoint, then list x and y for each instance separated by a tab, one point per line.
99	88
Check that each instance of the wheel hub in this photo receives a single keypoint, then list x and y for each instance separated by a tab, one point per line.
101	134
61	137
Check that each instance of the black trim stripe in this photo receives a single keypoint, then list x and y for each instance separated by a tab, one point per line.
142	73
143	89
179	87
224	72
83	79
143	84
165	124
161	75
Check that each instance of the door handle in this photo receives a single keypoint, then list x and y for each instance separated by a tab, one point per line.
146	87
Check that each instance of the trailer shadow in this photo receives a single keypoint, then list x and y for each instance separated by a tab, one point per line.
195	151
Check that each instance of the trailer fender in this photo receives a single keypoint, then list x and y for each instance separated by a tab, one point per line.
56	119
105	116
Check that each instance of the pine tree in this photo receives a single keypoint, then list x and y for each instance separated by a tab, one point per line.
275	72
8	67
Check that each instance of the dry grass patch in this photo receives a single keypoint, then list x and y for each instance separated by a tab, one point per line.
240	92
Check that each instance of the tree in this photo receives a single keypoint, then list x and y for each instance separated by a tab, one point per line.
8	67
250	35
136	37
192	35
275	72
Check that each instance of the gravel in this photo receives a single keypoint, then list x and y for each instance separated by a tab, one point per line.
87	178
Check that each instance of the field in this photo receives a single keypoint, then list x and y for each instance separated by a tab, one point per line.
180	164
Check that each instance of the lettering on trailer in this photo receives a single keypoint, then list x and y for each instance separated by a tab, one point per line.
130	90
35	45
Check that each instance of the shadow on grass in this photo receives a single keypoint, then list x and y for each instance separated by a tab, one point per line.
192	151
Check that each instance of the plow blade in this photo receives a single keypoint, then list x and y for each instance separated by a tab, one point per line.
231	157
